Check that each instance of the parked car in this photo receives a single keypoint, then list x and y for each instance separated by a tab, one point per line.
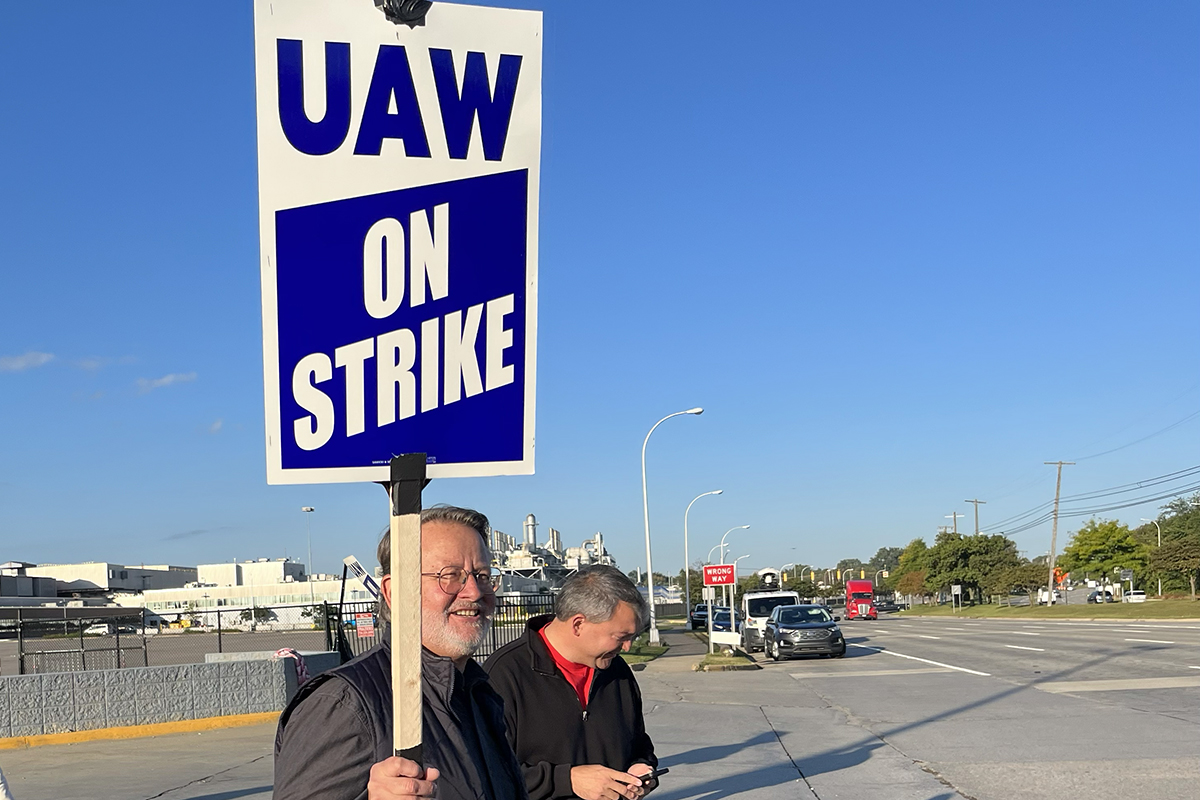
1100	597
720	621
1135	596
803	630
699	617
100	629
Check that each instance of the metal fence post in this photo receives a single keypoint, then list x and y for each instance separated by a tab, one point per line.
82	645
328	629
145	650
219	643
20	644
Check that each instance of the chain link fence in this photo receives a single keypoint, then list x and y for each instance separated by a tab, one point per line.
88	639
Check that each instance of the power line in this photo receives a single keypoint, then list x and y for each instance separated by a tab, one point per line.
1173	425
1040	509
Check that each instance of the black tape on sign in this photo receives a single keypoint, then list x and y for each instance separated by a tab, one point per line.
408	479
405	12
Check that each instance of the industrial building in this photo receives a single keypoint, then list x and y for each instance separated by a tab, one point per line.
100	578
529	567
18	588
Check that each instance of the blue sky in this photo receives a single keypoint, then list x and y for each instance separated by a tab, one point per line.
901	254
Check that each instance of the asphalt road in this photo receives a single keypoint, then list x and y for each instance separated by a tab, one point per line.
1000	708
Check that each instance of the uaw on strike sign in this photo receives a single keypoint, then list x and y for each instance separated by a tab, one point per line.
398	192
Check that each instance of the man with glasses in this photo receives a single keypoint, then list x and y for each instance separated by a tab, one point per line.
335	738
573	707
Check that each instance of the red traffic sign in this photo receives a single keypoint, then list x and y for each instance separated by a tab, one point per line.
719	575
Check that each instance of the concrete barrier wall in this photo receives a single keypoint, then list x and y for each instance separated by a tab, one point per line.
31	705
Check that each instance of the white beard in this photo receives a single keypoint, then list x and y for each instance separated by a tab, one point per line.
440	637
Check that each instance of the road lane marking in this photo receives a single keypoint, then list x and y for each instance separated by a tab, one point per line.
1023	633
1018	647
923	636
1149	641
955	629
1118	685
870	673
923	660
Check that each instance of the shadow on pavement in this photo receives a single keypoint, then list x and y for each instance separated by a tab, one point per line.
233	794
703	754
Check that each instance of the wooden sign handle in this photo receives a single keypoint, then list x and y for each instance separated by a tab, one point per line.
407	481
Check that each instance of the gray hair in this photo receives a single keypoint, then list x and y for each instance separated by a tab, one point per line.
595	593
468	517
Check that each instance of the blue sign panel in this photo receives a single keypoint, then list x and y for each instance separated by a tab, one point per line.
385	353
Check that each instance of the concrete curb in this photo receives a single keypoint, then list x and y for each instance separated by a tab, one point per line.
724	667
139	731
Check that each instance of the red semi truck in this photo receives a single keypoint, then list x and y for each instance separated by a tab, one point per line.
860	600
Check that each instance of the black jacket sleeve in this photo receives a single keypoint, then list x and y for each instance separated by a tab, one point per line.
326	748
543	779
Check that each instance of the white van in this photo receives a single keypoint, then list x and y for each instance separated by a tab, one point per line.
1135	596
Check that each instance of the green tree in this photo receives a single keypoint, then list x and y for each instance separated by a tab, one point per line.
1101	547
1180	556
913	558
971	561
912	583
885	558
1026	577
259	614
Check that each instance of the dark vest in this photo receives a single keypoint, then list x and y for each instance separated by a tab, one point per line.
463	730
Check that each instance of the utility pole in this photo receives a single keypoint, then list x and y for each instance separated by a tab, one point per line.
1054	527
977	504
955	516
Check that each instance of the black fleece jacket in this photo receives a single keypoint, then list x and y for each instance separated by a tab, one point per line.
549	730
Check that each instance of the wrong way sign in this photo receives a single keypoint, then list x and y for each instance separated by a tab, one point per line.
398	211
719	575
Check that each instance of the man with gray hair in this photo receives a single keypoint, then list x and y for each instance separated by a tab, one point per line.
572	706
335	737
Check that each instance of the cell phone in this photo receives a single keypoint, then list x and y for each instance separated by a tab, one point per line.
653	774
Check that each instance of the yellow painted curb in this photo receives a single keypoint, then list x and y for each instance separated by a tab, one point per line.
139	731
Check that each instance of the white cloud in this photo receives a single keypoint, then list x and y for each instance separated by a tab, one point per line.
23	362
216	426
150	384
91	364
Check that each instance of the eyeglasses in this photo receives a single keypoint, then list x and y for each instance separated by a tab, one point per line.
453	580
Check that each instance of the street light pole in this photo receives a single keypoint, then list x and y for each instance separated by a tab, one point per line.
733	596
646	518
731	530
687	565
1160	545
312	599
